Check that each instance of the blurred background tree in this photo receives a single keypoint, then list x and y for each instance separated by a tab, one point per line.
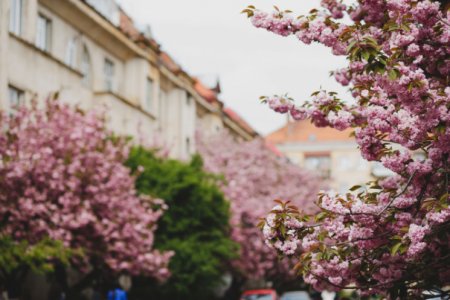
256	175
64	187
195	226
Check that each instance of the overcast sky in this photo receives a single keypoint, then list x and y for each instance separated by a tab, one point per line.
210	38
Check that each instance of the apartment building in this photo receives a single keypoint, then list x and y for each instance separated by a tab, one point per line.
90	52
330	153
213	116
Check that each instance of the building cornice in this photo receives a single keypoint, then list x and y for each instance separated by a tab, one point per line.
125	101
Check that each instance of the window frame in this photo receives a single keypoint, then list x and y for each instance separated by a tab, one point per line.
47	22
109	74
71	52
20	95
86	67
322	165
149	94
15	25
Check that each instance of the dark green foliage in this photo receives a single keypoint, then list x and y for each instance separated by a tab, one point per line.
196	227
17	259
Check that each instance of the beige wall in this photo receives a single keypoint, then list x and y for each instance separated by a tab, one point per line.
347	167
210	124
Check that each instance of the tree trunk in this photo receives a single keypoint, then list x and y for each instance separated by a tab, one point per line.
14	282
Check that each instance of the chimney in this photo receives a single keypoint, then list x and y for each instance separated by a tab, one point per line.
290	126
217	89
148	32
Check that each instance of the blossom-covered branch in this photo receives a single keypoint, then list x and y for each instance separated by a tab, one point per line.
383	237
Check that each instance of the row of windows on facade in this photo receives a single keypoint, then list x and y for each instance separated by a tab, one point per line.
43	42
16	99
43	26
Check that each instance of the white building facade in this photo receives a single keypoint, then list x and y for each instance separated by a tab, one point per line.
78	49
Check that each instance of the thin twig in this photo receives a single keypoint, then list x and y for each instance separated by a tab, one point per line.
399	194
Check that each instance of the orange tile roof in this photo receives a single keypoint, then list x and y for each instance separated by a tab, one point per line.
206	93
127	25
305	131
169	62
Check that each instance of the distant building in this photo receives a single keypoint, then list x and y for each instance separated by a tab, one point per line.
92	54
330	153
213	117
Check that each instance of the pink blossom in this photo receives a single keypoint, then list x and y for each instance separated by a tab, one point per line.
64	178
398	70
255	177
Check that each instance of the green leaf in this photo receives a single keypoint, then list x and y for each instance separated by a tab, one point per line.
392	74
395	248
355	188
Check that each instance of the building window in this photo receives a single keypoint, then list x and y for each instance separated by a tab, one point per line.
162	103
43	34
15	17
188	99
149	95
319	164
71	52
16	98
108	70
188	146
86	67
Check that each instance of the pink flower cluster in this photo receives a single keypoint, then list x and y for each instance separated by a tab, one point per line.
392	231
325	110
62	177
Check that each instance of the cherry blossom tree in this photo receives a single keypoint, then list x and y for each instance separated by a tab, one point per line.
62	178
390	236
253	177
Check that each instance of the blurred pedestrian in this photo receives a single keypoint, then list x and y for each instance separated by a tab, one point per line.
117	294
